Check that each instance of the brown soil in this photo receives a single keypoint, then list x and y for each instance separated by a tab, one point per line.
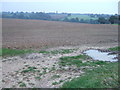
38	33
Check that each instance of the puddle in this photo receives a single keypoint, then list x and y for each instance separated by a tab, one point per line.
102	56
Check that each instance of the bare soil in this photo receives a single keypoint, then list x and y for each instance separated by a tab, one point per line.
37	34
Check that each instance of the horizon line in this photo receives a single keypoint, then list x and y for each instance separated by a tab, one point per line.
56	12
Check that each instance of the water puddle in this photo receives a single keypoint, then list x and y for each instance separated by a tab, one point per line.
102	56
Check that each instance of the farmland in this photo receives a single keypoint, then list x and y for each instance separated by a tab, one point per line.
37	34
49	54
85	17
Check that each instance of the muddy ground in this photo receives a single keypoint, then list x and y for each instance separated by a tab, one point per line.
49	35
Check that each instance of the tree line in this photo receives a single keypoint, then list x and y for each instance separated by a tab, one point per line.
26	15
91	21
102	19
114	19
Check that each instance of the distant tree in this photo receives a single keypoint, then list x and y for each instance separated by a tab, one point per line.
21	15
66	19
119	19
74	19
113	19
101	20
91	21
81	20
69	15
92	15
14	15
77	19
26	15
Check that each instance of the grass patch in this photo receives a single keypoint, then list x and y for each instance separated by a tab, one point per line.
29	69
52	69
105	76
72	60
115	48
62	51
100	62
38	77
22	84
44	52
43	72
93	63
74	57
78	61
0	52
12	52
55	83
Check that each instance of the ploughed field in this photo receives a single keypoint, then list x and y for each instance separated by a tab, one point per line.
21	34
57	58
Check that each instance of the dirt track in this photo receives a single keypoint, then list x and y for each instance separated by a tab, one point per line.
37	33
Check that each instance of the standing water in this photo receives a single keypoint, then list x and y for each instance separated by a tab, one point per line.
102	56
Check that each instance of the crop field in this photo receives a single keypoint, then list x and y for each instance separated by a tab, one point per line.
37	34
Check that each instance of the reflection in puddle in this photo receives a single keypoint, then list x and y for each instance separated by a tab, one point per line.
102	56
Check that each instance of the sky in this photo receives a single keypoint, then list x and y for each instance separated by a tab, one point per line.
66	6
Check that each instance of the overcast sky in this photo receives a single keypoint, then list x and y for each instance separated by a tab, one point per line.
69	6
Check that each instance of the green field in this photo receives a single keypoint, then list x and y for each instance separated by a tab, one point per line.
85	17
